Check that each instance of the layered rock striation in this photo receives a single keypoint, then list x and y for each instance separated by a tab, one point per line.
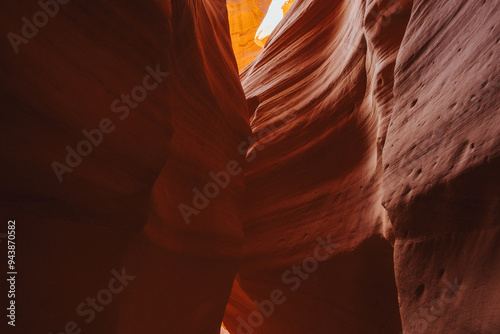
347	181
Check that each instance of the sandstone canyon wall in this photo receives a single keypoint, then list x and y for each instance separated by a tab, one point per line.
441	178
356	162
329	67
78	230
395	133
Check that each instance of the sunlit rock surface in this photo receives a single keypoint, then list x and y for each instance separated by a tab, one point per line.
277	10
251	22
245	17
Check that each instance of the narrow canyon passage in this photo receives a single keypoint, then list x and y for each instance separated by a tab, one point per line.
305	166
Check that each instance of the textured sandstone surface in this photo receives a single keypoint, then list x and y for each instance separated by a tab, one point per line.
72	234
395	108
441	181
245	17
319	174
363	142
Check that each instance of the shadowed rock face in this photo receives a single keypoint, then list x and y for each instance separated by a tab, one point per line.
356	162
72	234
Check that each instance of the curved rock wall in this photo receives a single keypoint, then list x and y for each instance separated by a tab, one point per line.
346	182
325	77
441	181
149	102
391	105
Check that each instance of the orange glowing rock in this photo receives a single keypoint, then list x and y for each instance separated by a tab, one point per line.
245	17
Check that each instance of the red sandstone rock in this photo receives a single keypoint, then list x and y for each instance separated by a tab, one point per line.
73	233
320	174
442	120
441	184
368	202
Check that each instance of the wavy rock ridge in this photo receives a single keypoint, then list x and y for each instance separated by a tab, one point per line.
347	181
320	174
395	134
117	206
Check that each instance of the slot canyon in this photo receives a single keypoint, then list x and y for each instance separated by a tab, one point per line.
250	166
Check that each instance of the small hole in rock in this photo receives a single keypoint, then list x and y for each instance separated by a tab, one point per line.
441	273
419	290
